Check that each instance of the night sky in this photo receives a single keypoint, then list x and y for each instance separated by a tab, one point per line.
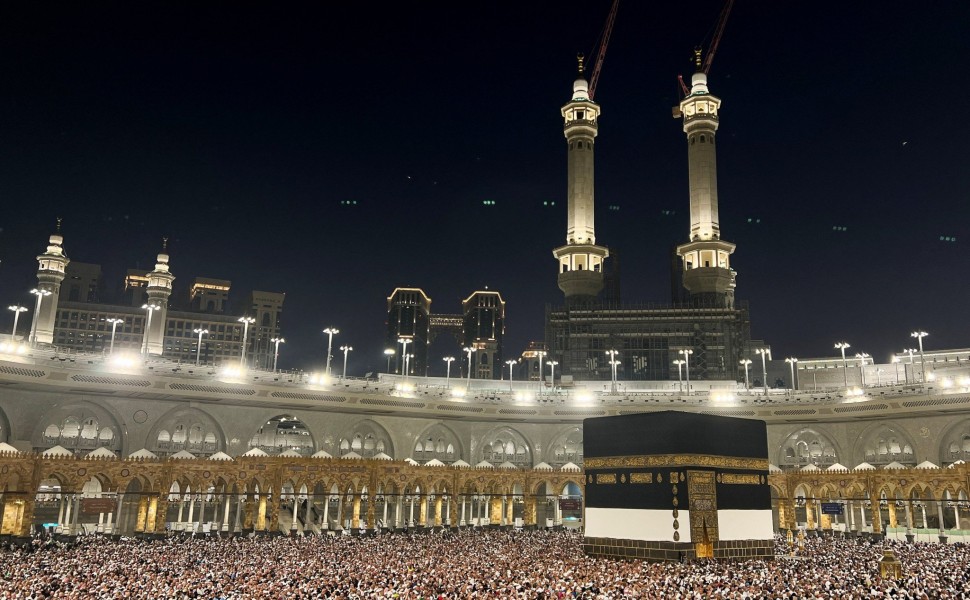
335	151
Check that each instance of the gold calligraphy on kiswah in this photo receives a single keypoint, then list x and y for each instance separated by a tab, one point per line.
667	460
736	478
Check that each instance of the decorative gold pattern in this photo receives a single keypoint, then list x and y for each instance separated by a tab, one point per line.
641	478
667	460
606	478
673	489
736	478
703	506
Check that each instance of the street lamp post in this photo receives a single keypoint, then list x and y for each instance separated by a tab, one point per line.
791	360
764	352
17	309
389	352
686	353
151	308
510	363
330	331
612	352
746	362
541	354
407	365
404	354
114	326
468	350
246	322
919	335
862	356
909	351
198	346
345	350
680	375
552	375
276	350
845	366
896	366
40	293
448	360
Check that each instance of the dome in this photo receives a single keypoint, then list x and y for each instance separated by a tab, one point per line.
581	89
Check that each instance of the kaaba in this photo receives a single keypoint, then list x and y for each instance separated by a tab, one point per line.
675	485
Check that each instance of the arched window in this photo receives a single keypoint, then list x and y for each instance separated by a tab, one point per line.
71	428
484	358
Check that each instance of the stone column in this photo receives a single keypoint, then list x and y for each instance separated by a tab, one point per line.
340	512
151	506
326	511
307	515
26	518
202	510
423	511
876	514
892	514
956	514
464	500
939	513
225	511
510	510
142	514
237	523
437	511
809	514
181	508
530	511
249	512
384	518
371	513
355	516
60	515
849	517
495	518
262	523
273	513
121	499
191	520
67	515
909	521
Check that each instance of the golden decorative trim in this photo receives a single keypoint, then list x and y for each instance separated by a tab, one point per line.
678	460
606	478
641	477
735	478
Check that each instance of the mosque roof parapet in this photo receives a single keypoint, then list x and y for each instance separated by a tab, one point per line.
48	368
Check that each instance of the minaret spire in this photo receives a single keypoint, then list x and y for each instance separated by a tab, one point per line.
580	260
159	290
50	273
708	276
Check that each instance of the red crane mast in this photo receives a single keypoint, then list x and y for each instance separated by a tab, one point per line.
607	30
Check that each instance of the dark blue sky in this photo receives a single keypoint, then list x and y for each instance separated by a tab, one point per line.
237	129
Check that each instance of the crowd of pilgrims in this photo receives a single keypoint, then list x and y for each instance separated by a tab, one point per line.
466	564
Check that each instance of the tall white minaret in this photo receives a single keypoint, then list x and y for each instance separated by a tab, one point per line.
580	260
159	290
50	274
708	275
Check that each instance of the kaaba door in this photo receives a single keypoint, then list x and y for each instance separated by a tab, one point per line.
704	549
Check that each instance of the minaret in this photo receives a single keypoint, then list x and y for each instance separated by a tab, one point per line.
708	276
50	274
159	290
580	260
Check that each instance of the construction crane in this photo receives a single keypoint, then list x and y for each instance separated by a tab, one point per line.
604	41
705	66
